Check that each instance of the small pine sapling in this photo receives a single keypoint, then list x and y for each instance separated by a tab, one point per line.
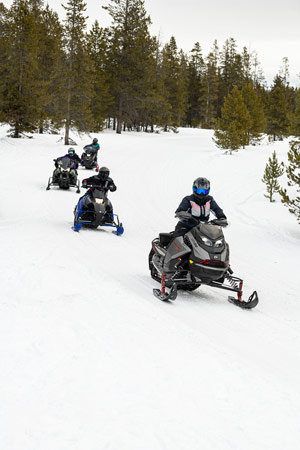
293	174
273	171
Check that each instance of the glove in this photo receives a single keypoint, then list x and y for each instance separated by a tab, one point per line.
184	216
221	222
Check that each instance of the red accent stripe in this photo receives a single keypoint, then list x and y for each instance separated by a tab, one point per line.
208	261
163	286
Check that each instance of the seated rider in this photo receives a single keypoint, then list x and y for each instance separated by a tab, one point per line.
95	144
75	162
95	147
196	208
103	181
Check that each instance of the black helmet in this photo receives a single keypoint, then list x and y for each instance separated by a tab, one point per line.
95	141
71	151
103	173
201	188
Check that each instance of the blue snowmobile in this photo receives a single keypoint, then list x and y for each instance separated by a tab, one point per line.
94	209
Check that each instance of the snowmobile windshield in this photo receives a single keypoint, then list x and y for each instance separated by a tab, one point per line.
99	193
65	163
88	149
206	231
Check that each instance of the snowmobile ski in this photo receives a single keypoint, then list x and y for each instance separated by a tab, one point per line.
166	296
251	303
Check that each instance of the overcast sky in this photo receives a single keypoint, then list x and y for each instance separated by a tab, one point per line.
269	27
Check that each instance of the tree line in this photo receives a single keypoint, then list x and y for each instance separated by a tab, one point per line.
57	74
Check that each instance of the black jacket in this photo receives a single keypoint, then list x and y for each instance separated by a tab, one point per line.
108	184
200	209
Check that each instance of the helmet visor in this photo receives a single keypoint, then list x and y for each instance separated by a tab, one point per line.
200	190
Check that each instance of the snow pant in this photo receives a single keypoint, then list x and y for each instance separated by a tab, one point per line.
182	228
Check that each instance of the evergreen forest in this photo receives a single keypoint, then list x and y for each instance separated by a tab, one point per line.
55	73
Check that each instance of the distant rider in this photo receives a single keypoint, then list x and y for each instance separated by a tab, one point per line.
75	162
196	207
103	181
95	147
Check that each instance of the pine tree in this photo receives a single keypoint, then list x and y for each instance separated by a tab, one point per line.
256	75
195	87
76	103
20	92
234	123
277	110
293	174
50	74
211	82
295	117
97	47
156	110
4	39
256	109
131	59
273	171
231	66
174	84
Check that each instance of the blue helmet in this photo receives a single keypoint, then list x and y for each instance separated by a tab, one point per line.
71	151
201	187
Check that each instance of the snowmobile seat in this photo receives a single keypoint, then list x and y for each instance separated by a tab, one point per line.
166	238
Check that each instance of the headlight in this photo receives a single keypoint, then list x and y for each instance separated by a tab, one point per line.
219	243
206	241
99	201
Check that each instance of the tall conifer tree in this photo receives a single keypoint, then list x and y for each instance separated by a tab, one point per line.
211	87
97	46
174	84
132	58
256	109
51	68
234	123
195	87
20	91
76	103
277	110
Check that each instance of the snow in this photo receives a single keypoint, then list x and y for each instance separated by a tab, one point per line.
90	359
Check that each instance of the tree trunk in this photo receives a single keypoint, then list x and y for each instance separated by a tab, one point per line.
16	132
69	96
119	124
67	133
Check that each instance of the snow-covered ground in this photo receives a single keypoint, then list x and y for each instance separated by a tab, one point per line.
90	359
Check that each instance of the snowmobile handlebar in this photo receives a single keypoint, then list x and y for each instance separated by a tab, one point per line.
220	222
93	186
185	216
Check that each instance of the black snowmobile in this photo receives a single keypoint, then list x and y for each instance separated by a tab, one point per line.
201	256
92	211
64	176
89	157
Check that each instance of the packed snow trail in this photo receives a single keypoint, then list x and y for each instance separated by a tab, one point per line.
91	359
